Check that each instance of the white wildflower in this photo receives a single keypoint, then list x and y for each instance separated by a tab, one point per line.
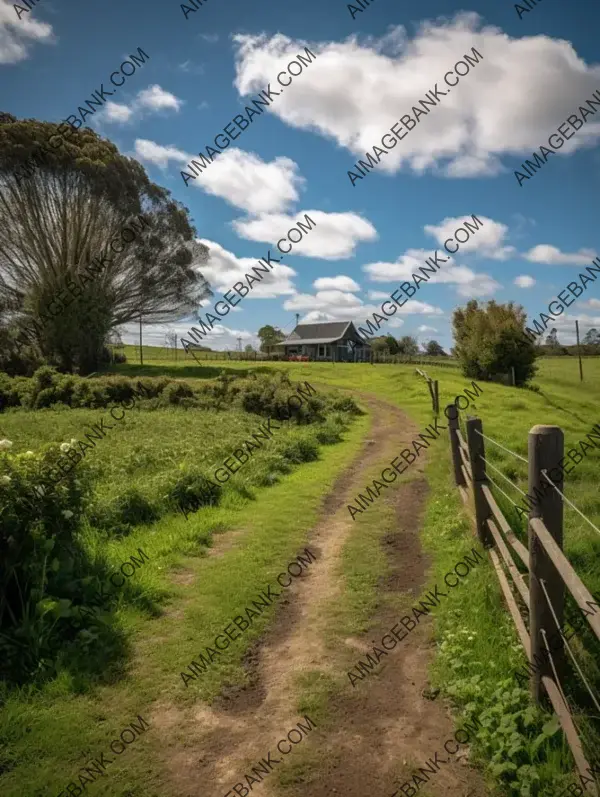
5	445
5	480
66	513
29	454
65	446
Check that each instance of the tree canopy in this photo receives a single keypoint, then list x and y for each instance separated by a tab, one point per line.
490	340
269	336
69	271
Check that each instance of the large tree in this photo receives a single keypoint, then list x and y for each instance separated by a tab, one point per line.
490	340
434	349
269	336
66	196
408	346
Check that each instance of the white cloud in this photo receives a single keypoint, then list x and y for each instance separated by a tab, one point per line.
356	90
156	99
469	283
224	269
114	112
17	34
334	236
152	99
154	153
336	305
592	303
239	177
247	182
221	337
551	256
340	282
524	281
426	329
487	241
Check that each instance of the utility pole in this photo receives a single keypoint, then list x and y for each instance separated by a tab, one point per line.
239	340
141	352
579	352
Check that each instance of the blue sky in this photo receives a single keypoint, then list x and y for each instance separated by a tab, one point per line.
293	159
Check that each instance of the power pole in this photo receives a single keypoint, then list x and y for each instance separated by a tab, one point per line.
579	352
141	352
239	340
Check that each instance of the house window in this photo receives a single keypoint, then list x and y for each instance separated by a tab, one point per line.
322	352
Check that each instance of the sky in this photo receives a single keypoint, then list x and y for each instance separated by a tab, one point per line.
370	67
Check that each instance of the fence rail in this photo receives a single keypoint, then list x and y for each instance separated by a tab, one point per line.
535	592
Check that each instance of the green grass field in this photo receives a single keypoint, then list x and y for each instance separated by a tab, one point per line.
47	732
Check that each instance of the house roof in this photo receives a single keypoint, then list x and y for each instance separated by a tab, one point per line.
300	341
325	332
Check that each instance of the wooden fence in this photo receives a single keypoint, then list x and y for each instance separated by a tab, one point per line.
535	589
434	390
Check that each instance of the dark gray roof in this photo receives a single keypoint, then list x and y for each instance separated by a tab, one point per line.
306	341
324	332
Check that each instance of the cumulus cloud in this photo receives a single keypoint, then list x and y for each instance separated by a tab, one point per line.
152	99
336	305
335	235
157	154
239	177
468	282
487	241
357	89
222	338
115	112
16	35
551	256
156	99
247	182
524	281
224	269
340	282
425	328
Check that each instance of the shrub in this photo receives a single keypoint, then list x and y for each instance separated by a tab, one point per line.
302	449
192	489
41	566
127	510
345	404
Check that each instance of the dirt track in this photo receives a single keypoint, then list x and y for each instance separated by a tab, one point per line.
383	727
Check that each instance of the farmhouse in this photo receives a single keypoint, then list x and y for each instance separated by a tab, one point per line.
337	341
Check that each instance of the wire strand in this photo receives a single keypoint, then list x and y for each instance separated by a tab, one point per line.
496	443
493	467
556	678
566	641
572	505
506	495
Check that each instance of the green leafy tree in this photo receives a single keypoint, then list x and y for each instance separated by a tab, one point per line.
552	339
249	348
408	346
490	340
269	336
434	349
592	337
65	196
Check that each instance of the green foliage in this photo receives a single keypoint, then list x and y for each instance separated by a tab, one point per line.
434	349
73	198
491	340
41	565
515	737
269	336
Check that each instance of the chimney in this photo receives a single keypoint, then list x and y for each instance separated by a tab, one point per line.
297	318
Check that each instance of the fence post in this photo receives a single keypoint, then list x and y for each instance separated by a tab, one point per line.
477	460
452	415
546	450
436	400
